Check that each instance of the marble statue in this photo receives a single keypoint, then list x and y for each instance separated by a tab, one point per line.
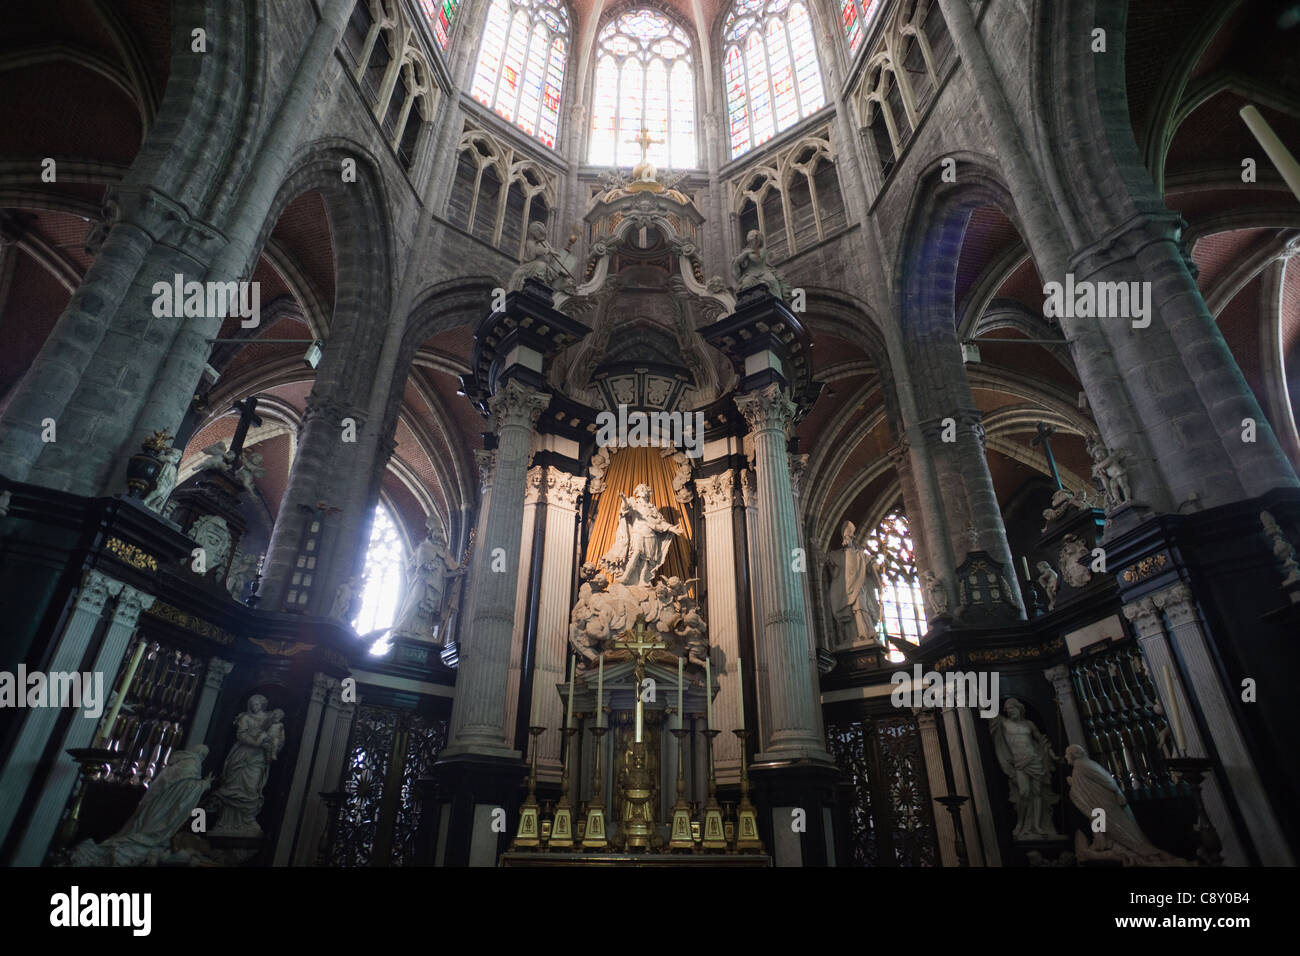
425	602
1073	561
1284	554
250	468
750	269
596	470
162	489
211	533
347	600
1110	474
850	595
243	569
540	261
259	736
146	837
1062	501
1025	755
1050	582
605	609
1092	788
681	476
216	456
641	545
935	595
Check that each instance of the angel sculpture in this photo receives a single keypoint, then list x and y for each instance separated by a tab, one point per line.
1025	755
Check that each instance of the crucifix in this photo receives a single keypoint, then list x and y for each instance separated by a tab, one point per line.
645	142
639	647
1044	438
247	416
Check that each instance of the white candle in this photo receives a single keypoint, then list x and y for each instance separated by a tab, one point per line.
573	675
679	693
1024	562
638	716
708	694
600	693
740	691
537	695
1174	713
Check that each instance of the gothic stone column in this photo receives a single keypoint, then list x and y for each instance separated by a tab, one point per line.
479	713
784	638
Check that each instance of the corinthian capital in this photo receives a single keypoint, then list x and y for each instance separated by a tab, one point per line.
562	489
717	491
767	408
517	404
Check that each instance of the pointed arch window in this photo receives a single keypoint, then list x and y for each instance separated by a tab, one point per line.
902	611
521	62
770	67
385	569
442	16
644	79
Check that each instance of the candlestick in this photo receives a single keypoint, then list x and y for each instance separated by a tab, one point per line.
679	693
740	691
600	692
573	673
1175	712
708	693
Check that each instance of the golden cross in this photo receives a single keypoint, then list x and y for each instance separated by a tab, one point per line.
645	141
640	645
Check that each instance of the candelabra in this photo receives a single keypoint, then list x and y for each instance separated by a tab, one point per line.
594	838
529	833
681	831
714	836
562	823
953	804
747	839
1193	769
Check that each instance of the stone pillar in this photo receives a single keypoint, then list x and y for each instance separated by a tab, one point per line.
534	521
1190	642
322	685
1145	616
479	713
561	493
34	733
962	787
783	641
213	678
946	835
40	828
1059	676
717	495
979	787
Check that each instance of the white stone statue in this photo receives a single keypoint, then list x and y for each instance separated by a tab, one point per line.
641	545
1025	755
423	606
259	736
935	595
1092	788
243	568
212	534
596	470
166	483
1073	561
1111	473
540	261
1283	553
681	476
250	469
347	599
850	595
1062	501
750	268
146	837
1050	582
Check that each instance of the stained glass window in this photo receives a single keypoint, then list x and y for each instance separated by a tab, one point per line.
772	74
520	72
385	570
644	80
902	610
855	19
442	14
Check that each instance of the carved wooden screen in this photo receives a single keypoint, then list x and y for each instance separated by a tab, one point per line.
892	818
378	816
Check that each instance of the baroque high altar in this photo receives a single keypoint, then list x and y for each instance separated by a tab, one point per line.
645	652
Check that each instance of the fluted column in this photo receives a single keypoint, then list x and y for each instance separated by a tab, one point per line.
39	830
1147	621
327	771
561	493
927	724
783	641
1060	680
321	687
213	678
717	494
18	770
479	714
